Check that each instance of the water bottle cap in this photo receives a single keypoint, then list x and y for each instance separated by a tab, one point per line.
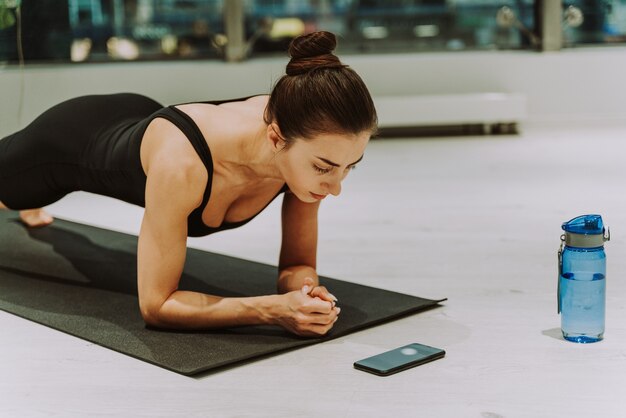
585	224
586	231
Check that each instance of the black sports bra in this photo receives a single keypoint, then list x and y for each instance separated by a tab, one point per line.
195	226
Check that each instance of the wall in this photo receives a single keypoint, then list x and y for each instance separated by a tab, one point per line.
571	86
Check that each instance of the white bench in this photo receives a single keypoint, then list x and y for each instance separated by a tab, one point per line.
489	110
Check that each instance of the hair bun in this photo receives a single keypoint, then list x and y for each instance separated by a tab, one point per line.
311	51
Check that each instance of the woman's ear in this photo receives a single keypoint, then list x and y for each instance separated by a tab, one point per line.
274	137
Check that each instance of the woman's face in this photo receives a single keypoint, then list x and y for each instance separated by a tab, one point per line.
315	168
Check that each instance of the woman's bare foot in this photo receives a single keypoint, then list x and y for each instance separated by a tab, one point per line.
35	217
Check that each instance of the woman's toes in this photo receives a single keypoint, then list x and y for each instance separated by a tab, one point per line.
35	217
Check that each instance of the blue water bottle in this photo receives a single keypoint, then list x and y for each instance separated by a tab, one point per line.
582	279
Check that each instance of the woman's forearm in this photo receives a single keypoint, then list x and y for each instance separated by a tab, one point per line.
292	278
193	310
301	312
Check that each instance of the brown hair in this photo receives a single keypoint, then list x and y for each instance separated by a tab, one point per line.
319	95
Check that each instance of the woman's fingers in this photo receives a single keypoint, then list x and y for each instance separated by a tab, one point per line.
315	305
318	318
308	285
318	291
314	312
318	329
323	293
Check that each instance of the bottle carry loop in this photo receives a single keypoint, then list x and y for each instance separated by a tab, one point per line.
560	268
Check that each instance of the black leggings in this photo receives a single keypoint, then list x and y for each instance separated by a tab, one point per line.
89	143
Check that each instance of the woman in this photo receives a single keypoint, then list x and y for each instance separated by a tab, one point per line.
199	168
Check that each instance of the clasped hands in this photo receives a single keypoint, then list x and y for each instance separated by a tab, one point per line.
311	311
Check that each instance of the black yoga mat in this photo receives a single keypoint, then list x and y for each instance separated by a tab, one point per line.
81	280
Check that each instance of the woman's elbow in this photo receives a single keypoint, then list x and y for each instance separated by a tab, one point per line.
151	314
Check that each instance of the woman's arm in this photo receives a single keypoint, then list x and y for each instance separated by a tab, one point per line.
174	188
298	251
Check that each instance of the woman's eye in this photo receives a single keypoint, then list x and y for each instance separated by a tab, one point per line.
321	170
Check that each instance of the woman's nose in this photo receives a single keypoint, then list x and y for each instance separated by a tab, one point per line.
334	187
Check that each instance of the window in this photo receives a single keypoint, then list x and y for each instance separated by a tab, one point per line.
131	30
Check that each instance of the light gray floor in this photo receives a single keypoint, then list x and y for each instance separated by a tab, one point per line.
476	220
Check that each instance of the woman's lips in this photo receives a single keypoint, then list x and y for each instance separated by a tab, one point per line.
318	196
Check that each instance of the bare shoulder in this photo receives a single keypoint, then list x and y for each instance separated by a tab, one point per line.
171	164
252	107
258	100
165	144
255	105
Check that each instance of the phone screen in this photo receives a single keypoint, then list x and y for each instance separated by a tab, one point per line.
399	359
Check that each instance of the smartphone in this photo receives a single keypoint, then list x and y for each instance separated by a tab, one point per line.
399	359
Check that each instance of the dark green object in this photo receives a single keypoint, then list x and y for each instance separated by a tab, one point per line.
81	280
6	18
